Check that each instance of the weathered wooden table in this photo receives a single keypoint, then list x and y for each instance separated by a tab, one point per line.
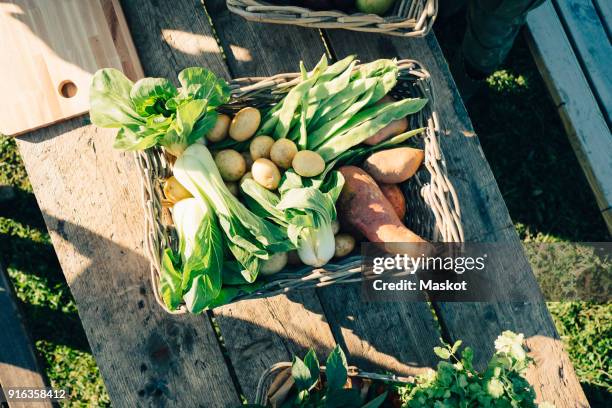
90	197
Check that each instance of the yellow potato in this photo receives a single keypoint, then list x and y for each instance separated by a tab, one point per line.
282	153
245	124
231	164
307	163
260	147
345	244
174	191
275	264
266	173
219	131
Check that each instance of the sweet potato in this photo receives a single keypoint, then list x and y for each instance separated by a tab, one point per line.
394	128
395	196
363	206
394	165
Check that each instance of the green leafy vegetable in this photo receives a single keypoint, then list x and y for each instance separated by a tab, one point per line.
154	112
249	238
456	383
306	208
193	276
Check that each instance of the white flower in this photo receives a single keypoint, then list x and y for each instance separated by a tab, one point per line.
495	388
511	344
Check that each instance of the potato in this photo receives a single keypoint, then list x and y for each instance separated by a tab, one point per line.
219	131
363	206
307	163
394	165
397	127
245	124
266	173
345	244
232	186
231	164
174	191
260	147
248	159
395	196
282	153
275	264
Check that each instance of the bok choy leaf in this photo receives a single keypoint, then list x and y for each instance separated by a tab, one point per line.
194	275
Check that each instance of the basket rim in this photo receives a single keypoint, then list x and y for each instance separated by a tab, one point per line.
439	195
409	18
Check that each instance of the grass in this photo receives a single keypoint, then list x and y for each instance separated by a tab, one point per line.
537	172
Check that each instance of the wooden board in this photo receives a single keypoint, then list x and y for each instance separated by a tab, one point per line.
49	50
592	46
582	118
485	219
18	363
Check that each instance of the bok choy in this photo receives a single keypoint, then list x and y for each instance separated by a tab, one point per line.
306	208
194	275
250	238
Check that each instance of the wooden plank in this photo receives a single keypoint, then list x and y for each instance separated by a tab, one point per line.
584	123
256	333
51	51
89	194
485	219
18	364
399	338
604	9
259	333
592	46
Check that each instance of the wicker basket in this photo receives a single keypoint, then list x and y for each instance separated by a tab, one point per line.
432	203
275	376
408	18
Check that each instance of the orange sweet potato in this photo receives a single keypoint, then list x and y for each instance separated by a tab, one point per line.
363	206
394	165
395	196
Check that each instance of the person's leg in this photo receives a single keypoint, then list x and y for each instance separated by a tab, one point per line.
492	26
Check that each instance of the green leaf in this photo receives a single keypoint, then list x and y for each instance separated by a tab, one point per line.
202	252
456	346
149	96
442	352
365	124
200	83
110	105
177	138
302	376
336	369
313	364
136	138
170	280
